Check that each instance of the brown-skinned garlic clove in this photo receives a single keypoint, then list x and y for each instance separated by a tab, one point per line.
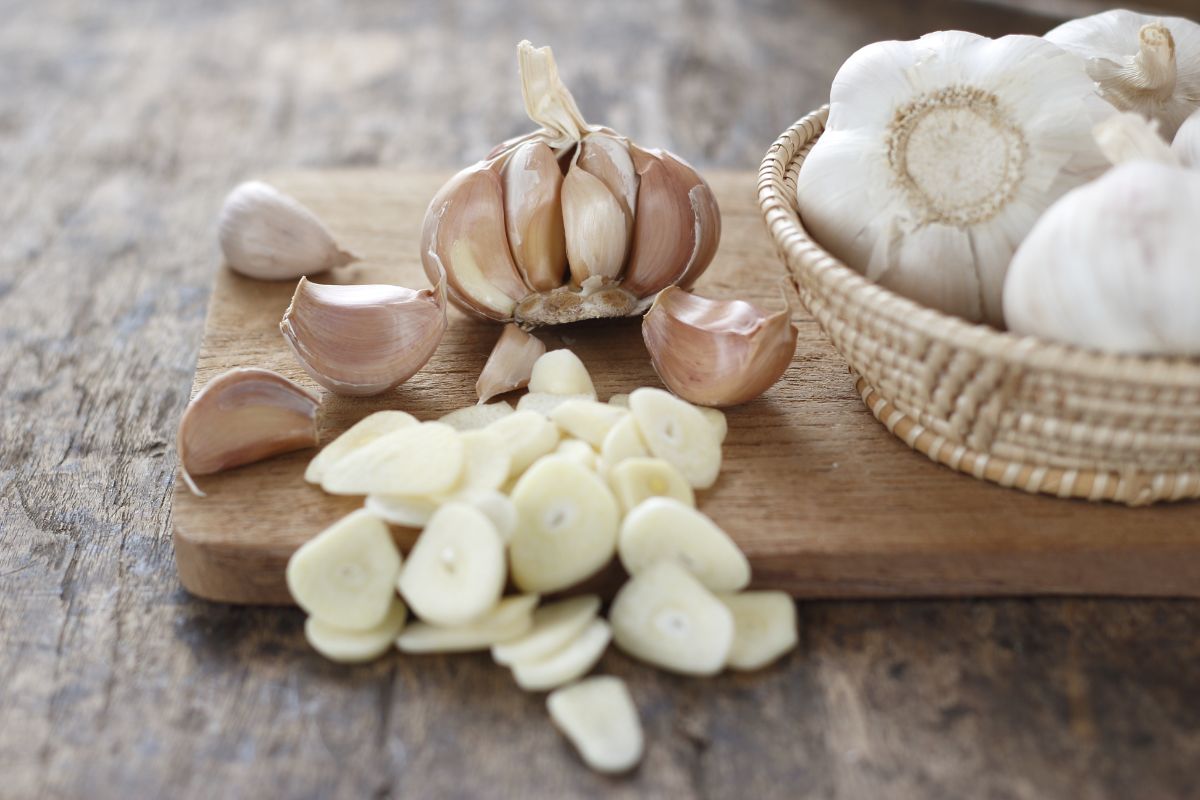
511	363
533	214
664	234
363	340
268	235
242	416
595	227
607	157
717	352
706	217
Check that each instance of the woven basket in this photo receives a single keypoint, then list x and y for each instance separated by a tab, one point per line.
1018	411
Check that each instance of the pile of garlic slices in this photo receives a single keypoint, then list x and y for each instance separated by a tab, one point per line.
543	497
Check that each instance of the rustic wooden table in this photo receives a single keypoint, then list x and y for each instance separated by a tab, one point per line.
122	125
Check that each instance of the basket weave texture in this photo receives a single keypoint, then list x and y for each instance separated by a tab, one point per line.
1018	411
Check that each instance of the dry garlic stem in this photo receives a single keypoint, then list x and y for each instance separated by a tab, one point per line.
268	235
510	365
241	416
717	352
363	340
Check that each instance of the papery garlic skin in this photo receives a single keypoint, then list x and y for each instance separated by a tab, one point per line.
510	364
1186	145
1143	63
268	235
938	156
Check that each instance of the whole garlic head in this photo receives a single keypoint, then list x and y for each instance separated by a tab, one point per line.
1140	63
1187	142
938	156
570	222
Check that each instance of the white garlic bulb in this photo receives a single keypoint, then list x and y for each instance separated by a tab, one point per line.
1113	264
939	155
1140	63
1187	142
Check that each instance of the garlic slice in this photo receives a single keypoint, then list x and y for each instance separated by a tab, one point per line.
567	527
717	352
512	617
495	506
511	363
456	570
561	372
676	432
620	400
526	437
269	235
363	340
554	626
345	576
477	416
363	432
242	416
574	660
588	420
356	647
623	441
403	510
544	403
420	460
764	625
635	480
664	529
486	462
716	418
578	451
599	718
665	617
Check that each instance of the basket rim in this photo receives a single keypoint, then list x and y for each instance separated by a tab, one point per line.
781	212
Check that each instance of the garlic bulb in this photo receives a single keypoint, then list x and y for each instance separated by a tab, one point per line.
717	352
939	155
1112	265
1140	63
266	234
570	222
1187	142
363	340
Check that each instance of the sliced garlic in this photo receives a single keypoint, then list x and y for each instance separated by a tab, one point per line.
587	419
567	527
623	441
511	363
363	432
544	402
478	416
574	660
665	617
242	416
717	419
764	625
356	647
402	510
456	570
533	215
579	451
495	506
554	626
512	617
676	432
599	718
561	372
268	235
664	529
487	464
420	460
363	340
621	400
634	480
345	576
526	437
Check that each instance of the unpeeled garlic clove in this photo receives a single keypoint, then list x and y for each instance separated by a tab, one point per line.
607	157
242	416
268	235
594	223
511	363
717	352
706	216
363	340
664	234
533	214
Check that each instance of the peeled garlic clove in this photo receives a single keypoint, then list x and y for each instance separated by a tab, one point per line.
345	576
455	572
533	214
420	460
664	234
511	363
635	480
587	419
665	529
511	618
526	437
268	235
676	432
242	416
578	451
567	528
561	372
477	416
623	441
356	647
607	158
665	617
554	626
464	237
599	718
717	352
363	432
403	510
574	660
594	223
706	216
363	340
764	625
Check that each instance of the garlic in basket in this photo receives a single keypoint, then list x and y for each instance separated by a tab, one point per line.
1140	63
570	222
1112	265
1187	142
939	155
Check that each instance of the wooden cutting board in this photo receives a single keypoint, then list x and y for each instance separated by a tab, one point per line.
825	502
